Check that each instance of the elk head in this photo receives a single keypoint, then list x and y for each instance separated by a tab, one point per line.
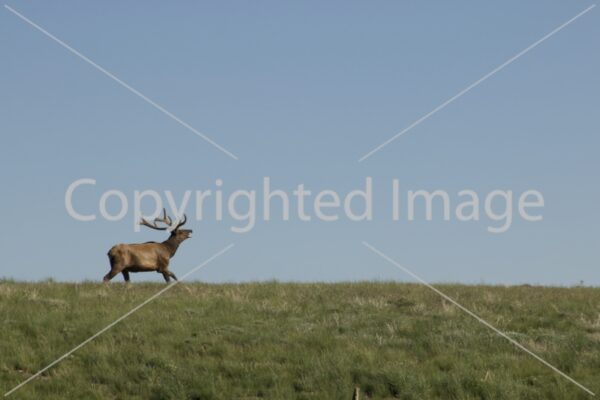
177	235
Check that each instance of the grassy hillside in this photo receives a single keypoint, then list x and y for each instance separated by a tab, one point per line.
297	341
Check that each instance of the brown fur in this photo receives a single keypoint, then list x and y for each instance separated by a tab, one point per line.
145	257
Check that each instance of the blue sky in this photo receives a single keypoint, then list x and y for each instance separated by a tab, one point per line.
299	91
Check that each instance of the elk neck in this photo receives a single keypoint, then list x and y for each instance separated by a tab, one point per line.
172	243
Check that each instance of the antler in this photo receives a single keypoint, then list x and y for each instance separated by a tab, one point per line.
181	223
165	220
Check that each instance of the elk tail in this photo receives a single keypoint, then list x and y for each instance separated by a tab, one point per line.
112	254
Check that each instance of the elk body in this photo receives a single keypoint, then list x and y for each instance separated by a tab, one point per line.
150	256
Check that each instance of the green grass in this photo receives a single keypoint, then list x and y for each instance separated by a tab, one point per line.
297	341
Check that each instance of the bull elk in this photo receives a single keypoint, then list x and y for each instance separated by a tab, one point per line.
149	256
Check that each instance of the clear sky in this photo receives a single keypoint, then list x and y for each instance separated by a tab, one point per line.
299	91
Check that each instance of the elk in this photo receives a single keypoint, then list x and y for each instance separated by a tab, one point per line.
149	256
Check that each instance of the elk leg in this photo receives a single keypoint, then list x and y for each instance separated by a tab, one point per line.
166	276
172	275
110	275
126	275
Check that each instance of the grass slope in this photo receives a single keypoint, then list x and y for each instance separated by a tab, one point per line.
297	341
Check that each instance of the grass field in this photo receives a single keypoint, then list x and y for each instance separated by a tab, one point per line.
297	341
